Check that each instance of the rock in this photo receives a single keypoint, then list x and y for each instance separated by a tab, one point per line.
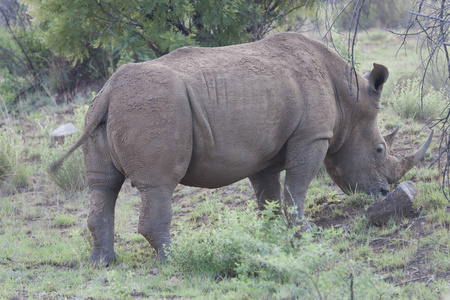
57	135
397	203
155	271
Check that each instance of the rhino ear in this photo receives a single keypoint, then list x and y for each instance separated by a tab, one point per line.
377	77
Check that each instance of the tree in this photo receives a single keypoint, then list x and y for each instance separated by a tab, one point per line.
21	53
142	29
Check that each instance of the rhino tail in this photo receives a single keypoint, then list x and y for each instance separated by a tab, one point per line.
96	115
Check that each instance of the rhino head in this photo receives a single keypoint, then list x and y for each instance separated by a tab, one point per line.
362	158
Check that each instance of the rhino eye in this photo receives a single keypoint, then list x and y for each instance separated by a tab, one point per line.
379	150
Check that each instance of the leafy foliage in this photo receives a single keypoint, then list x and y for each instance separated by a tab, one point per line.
147	29
29	67
22	55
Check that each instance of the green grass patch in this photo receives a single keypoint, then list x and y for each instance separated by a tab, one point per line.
223	247
64	221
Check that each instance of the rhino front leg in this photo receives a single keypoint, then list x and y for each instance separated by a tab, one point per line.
302	165
156	216
267	187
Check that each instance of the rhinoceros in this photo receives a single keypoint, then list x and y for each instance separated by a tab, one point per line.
208	117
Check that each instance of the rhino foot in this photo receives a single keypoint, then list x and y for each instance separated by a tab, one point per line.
305	225
99	257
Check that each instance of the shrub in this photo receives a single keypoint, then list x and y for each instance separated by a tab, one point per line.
407	102
72	174
268	258
216	249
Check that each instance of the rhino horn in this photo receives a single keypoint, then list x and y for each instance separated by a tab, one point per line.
389	139
405	164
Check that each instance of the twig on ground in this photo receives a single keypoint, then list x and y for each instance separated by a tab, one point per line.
411	280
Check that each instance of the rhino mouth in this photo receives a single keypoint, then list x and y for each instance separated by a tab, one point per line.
382	190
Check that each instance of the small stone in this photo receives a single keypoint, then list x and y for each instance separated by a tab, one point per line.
398	203
155	271
57	135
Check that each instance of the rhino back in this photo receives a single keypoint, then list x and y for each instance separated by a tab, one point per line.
247	100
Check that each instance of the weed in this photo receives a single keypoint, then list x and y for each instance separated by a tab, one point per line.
7	207
209	209
439	215
337	211
64	221
12	152
398	257
406	101
359	199
115	281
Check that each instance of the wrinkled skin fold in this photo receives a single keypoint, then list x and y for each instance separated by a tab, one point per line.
208	117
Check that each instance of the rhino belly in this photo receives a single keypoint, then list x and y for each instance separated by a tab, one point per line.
213	171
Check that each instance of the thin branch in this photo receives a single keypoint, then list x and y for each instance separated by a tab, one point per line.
19	43
427	16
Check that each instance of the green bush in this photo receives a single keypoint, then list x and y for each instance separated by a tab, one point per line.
214	250
28	67
407	102
22	58
267	257
72	174
11	85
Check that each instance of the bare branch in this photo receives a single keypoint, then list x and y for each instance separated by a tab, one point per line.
428	16
353	27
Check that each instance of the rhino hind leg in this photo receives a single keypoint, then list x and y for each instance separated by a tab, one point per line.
267	187
104	182
101	225
156	216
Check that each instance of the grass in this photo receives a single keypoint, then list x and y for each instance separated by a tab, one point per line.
12	167
222	246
